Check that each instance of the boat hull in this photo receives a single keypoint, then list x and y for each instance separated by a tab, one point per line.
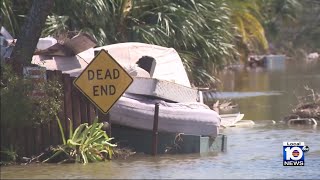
188	118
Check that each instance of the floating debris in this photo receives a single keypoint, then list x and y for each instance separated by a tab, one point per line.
307	111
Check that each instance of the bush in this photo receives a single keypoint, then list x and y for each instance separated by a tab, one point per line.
87	143
19	108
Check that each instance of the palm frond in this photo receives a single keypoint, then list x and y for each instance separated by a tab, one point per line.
198	29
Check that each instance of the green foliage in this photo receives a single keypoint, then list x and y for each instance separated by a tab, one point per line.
279	13
85	144
19	108
250	33
198	30
292	26
201	31
8	155
15	105
13	13
44	108
205	33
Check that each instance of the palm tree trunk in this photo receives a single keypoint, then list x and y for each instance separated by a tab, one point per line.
30	34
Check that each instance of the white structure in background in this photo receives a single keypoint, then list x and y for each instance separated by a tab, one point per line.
275	62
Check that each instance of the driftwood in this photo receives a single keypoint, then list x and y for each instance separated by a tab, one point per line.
224	107
122	153
308	107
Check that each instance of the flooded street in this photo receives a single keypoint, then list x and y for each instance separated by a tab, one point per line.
269	94
252	152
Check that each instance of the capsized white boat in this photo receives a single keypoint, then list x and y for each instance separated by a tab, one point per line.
188	116
168	65
192	118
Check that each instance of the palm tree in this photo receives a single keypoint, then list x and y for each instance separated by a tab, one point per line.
309	22
250	35
13	13
7	16
30	34
198	30
278	14
293	26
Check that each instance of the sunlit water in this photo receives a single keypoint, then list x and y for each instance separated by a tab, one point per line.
252	152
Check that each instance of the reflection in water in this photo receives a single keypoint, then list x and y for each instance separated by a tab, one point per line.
237	95
257	92
252	152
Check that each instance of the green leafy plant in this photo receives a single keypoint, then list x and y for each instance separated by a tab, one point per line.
8	155
199	30
85	144
15	105
19	108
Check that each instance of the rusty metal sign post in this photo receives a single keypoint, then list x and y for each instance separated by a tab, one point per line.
155	130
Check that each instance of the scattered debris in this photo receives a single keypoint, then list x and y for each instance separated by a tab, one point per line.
266	122
307	109
256	61
122	153
6	44
303	121
69	47
225	107
49	45
313	57
175	147
244	123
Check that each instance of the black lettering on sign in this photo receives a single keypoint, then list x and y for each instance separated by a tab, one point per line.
116	73
95	90
104	90
90	74
108	74
99	71
99	74
112	90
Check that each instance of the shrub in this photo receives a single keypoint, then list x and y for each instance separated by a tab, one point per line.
85	144
19	108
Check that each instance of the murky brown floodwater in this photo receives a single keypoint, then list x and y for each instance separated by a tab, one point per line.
252	152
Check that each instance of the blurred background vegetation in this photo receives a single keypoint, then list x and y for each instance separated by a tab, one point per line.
208	35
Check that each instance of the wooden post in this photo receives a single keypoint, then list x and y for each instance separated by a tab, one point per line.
67	102
105	118
84	109
53	123
37	140
155	130
90	112
45	133
27	141
75	105
61	112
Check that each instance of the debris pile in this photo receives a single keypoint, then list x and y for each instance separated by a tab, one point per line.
308	106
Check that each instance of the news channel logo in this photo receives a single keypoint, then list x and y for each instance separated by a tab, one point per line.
293	153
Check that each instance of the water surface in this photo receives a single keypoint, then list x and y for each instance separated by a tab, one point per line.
269	94
252	152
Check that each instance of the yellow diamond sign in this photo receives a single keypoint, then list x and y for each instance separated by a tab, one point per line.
103	81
